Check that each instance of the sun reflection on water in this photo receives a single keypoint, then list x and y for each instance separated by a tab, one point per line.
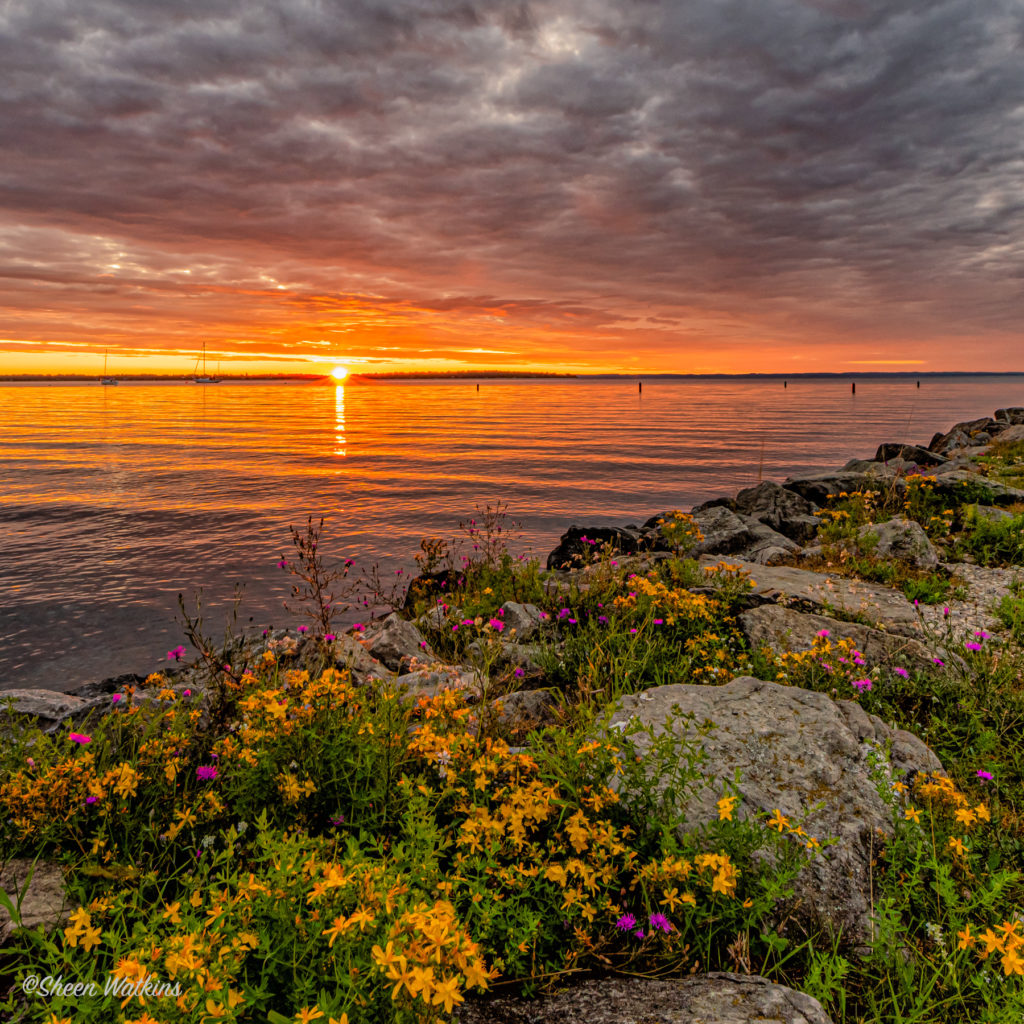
339	420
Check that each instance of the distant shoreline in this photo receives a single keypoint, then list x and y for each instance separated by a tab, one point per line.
469	375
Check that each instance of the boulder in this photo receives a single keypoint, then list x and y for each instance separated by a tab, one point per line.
39	887
992	514
523	618
580	545
968	434
716	998
908	453
724	532
429	682
901	539
349	654
53	710
782	509
816	592
1013	414
804	754
820	486
1014	433
961	485
784	629
524	710
768	547
397	642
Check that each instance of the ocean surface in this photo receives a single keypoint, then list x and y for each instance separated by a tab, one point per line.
113	500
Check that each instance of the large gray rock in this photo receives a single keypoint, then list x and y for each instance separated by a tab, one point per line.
53	710
716	998
784	629
39	887
899	538
767	547
724	531
818	487
523	618
781	508
349	654
1013	414
398	642
961	485
429	682
816	592
1014	433
908	453
794	750
580	545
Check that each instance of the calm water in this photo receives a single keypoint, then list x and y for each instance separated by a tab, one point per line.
114	500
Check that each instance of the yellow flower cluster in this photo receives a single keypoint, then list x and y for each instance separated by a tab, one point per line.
669	603
1006	940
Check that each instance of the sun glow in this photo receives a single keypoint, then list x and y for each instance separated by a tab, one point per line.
339	372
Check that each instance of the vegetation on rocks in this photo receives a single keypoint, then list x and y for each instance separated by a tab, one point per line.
293	831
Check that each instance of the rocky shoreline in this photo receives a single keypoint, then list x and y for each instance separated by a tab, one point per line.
791	747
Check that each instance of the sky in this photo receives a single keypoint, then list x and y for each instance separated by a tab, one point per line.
580	185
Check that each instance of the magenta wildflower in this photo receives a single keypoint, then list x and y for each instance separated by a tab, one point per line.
206	772
91	799
359	627
303	629
563	613
544	615
467	622
823	633
945	612
519	673
633	630
660	921
188	693
981	634
176	654
626	923
329	637
603	619
984	776
639	933
861	684
115	699
496	624
283	564
659	622
938	661
902	672
79	738
971	646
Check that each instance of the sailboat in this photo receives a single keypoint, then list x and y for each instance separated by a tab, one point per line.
203	378
105	379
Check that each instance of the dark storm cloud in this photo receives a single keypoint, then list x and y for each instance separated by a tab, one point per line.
812	164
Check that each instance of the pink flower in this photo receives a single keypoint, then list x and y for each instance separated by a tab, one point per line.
519	673
981	634
206	772
283	564
823	633
971	646
176	654
660	921
303	629
359	627
626	923
985	776
79	737
938	661
861	684
329	637
945	612
902	672
496	624
115	699
90	799
187	693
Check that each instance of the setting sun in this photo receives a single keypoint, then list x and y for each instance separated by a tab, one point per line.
339	373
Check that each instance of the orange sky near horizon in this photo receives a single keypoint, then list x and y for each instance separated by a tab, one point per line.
557	185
